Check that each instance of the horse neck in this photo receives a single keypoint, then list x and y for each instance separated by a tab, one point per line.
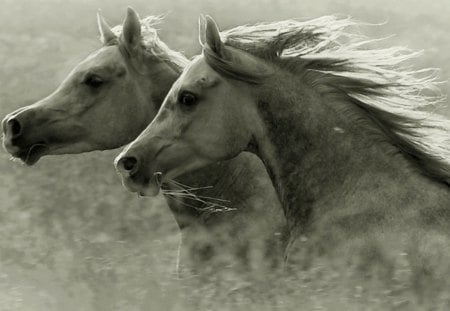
159	80
318	151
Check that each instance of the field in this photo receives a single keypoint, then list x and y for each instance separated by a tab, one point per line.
72	238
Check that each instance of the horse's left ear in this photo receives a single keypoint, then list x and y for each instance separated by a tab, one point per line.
212	36
106	34
132	30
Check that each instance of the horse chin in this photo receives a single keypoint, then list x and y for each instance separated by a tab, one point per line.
32	154
150	188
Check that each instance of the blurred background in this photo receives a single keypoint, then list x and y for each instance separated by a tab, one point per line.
71	238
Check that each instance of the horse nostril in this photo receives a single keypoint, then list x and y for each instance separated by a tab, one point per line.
14	127
129	164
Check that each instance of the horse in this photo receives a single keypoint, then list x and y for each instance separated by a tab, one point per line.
361	168
107	100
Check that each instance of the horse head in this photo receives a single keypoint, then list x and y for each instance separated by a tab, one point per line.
104	102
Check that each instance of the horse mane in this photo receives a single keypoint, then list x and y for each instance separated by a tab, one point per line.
152	46
341	63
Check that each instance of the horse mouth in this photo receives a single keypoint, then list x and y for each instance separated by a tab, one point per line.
32	154
148	187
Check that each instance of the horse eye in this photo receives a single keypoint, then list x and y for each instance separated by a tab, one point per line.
93	81
187	99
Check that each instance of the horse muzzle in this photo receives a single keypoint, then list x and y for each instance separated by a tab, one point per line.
18	143
143	177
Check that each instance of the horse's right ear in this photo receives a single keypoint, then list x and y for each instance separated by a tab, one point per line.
132	30
212	35
106	34
201	30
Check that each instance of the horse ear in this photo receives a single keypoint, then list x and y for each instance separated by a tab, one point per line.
212	35
201	30
132	30
106	34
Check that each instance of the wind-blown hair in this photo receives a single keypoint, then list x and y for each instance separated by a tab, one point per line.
151	43
337	62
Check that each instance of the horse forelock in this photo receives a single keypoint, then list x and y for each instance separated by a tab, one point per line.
151	44
227	68
325	53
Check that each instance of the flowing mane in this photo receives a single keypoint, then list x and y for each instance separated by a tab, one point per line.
151	43
340	63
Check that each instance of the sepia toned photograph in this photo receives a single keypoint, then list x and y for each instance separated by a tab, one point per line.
206	155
